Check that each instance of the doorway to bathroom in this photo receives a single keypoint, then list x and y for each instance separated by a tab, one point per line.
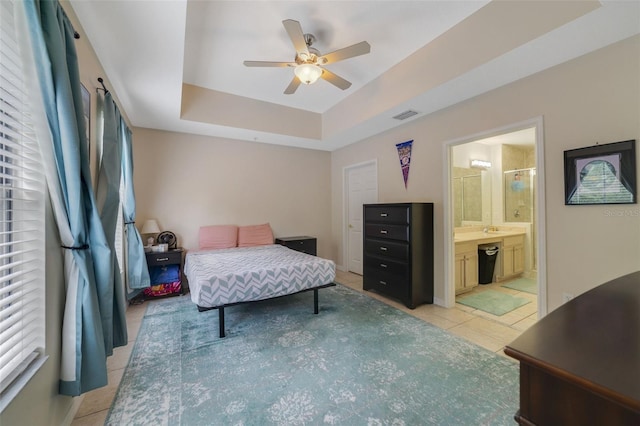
492	216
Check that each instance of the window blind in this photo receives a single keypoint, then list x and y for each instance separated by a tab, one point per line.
22	192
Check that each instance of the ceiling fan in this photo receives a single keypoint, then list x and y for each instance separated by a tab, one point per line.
308	60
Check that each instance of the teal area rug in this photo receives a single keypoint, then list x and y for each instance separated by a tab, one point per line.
523	284
358	362
493	302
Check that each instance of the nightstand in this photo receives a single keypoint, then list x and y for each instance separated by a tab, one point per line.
304	244
158	264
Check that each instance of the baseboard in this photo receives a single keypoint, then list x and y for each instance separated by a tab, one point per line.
439	302
73	410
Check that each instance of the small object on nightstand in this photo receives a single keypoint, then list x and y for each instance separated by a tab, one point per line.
303	244
150	228
168	238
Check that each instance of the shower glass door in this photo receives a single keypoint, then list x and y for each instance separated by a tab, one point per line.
519	195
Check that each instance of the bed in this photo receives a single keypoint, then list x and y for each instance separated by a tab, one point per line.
219	278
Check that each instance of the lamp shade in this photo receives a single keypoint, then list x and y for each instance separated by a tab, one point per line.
308	73
150	227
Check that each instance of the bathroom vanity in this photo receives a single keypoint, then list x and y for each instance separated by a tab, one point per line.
509	239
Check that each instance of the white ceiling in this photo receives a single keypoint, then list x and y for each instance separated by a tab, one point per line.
221	35
149	49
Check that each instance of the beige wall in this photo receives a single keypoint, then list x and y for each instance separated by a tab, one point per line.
592	99
187	181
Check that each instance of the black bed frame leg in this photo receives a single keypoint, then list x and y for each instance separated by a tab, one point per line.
221	308
221	321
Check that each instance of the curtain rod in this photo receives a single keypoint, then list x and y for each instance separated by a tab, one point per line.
101	81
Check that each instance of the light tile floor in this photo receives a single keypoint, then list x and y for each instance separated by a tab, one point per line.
489	331
486	330
95	405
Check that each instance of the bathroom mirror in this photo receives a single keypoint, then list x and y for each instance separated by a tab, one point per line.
472	197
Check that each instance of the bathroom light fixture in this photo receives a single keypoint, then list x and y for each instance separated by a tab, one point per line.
308	73
481	164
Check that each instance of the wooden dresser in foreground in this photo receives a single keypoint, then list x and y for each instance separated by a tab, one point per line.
580	365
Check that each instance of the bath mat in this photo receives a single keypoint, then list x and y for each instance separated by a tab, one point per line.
493	302
523	284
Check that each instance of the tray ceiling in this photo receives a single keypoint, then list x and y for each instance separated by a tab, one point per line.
178	65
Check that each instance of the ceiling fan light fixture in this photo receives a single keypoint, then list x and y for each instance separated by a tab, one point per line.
308	73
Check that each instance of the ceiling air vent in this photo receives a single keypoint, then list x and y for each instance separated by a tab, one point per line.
404	115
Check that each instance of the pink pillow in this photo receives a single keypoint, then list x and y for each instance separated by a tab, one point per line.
255	235
218	237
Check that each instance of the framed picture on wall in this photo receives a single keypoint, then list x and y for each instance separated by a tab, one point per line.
601	174
86	109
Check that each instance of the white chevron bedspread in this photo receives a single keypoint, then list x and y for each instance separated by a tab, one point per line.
243	274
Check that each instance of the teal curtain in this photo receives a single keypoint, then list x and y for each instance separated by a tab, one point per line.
108	203
137	271
87	333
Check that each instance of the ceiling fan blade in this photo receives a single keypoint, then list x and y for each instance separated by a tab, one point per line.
297	36
293	86
269	64
337	81
357	49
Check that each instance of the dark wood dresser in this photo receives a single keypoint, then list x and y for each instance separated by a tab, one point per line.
398	251
580	365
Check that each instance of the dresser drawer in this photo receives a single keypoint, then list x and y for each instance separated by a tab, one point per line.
393	232
386	265
166	258
387	214
390	249
392	285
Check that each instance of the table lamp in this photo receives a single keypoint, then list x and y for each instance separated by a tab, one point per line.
150	227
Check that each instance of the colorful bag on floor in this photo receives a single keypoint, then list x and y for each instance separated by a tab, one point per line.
164	289
165	280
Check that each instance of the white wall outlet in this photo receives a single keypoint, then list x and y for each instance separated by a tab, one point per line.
566	297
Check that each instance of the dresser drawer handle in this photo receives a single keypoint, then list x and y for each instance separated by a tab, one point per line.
383	215
383	282
162	259
383	231
382	265
383	249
